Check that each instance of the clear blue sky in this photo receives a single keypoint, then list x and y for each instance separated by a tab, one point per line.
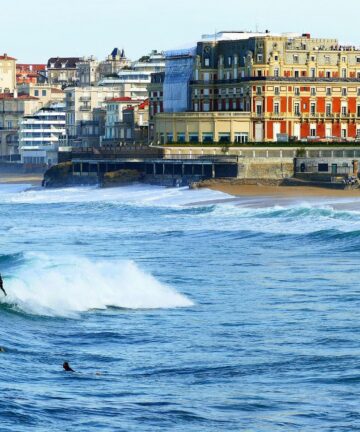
34	30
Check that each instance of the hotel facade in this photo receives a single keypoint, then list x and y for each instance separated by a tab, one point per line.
237	87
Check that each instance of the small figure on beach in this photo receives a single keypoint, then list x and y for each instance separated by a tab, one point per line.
2	285
67	367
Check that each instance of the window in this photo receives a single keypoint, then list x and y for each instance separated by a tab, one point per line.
259	73
358	91
229	61
276	108
224	137
297	91
206	92
358	110
312	108
241	137
259	109
344	91
297	108
296	58
343	59
10	124
312	58
276	72
36	92
276	58
169	138
343	133
207	62
313	72
194	137
258	90
328	109
328	74
344	110
328	91
206	107
207	137
313	91
327	59
43	92
313	131
206	76
181	137
343	72
296	74
277	91
357	59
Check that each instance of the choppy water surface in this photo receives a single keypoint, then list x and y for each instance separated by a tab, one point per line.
214	316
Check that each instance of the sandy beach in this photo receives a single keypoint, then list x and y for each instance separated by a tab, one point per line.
18	178
282	191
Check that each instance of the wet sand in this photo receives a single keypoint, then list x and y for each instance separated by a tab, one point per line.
18	178
282	191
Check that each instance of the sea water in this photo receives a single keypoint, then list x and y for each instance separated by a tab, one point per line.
179	310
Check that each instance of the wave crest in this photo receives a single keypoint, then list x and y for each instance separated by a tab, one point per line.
52	287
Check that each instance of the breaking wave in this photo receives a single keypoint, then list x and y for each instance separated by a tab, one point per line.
64	287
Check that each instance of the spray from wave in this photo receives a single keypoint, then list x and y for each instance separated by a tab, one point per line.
52	287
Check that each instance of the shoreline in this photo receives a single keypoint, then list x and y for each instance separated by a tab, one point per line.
277	191
21	178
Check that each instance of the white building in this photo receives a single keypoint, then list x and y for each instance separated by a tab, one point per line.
39	136
133	82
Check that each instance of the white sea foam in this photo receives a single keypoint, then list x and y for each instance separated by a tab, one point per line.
143	195
67	286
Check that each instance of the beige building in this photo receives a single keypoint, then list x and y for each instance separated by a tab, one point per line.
203	127
47	93
12	110
80	105
62	70
7	74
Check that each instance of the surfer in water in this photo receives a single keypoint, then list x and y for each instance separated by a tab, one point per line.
67	367
2	285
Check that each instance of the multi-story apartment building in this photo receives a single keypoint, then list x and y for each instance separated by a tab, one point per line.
88	71
12	109
62	71
80	105
126	121
133	82
259	87
7	74
39	135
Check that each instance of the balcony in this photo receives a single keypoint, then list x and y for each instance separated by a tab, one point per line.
85	108
85	98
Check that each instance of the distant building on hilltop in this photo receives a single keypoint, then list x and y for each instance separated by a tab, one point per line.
31	73
7	74
62	71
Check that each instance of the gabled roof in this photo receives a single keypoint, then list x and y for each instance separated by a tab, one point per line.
6	57
58	62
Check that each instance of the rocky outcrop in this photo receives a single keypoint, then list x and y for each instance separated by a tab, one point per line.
61	175
121	178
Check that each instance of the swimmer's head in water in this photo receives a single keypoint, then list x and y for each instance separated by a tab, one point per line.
67	367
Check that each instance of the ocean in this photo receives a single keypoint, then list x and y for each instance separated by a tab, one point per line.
179	310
